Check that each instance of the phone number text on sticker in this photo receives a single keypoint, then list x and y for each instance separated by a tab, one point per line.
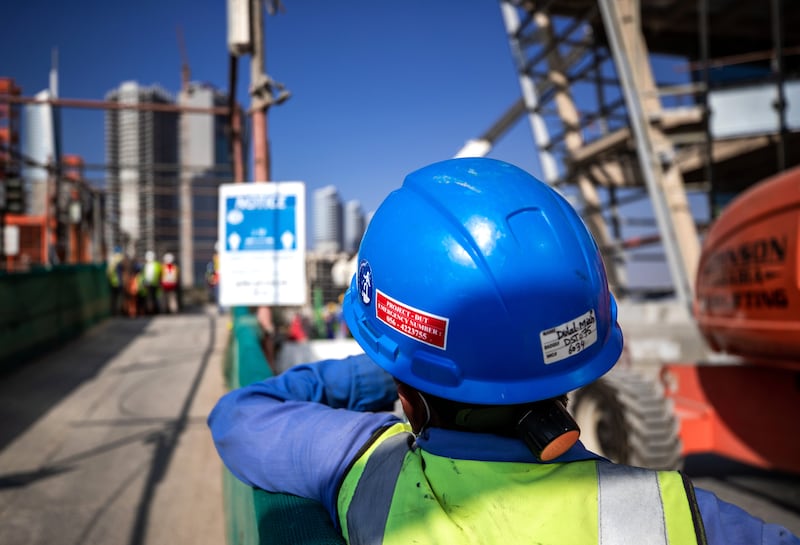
569	338
420	326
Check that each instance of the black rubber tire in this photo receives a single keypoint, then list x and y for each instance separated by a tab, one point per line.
625	417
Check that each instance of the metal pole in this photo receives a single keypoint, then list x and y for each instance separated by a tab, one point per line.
238	147
258	114
258	108
651	169
777	68
706	109
539	129
52	214
110	105
235	122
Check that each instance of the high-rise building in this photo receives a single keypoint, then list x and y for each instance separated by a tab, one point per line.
142	154
328	228
41	147
205	163
353	226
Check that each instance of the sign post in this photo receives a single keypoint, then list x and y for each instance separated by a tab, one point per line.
262	244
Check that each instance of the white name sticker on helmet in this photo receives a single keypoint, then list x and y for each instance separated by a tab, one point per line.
569	338
417	324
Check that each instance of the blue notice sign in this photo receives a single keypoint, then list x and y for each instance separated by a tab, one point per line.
260	222
262	244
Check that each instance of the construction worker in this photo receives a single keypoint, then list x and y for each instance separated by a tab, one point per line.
483	300
151	281
130	281
141	293
170	277
114	275
212	279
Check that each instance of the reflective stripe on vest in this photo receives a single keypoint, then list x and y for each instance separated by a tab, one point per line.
380	475
389	497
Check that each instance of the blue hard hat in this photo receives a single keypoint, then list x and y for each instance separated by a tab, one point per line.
478	283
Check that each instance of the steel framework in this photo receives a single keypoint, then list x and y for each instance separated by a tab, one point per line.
607	130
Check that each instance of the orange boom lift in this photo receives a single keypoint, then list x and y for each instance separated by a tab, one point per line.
747	304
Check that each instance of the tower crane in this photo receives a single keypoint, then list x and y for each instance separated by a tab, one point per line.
186	73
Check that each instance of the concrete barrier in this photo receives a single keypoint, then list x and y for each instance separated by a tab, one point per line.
253	516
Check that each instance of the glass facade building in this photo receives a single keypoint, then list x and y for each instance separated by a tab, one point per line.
328	224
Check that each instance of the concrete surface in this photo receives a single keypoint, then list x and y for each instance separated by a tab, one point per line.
105	442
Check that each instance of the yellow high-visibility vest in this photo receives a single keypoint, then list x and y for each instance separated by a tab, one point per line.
398	494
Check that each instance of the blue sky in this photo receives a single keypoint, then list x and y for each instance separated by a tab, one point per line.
378	88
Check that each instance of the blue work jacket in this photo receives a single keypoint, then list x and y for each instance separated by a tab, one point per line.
299	432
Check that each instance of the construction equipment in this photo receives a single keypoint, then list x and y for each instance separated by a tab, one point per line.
692	379
747	304
186	71
747	307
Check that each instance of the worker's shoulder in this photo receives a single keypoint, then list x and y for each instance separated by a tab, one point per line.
729	524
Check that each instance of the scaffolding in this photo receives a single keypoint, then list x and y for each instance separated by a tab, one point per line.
610	134
70	228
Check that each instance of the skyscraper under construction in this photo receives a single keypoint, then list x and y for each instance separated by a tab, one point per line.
205	156
142	159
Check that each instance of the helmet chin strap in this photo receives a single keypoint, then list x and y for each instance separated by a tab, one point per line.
548	430
427	412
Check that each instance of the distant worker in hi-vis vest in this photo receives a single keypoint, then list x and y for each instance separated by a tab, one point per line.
114	275
481	300
170	276
152	281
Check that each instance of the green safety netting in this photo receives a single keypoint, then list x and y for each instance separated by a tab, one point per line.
44	308
255	516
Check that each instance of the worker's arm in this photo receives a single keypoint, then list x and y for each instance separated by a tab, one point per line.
289	433
730	525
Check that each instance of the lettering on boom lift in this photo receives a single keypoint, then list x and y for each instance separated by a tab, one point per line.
745	276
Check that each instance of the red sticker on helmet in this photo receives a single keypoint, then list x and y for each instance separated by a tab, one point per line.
420	326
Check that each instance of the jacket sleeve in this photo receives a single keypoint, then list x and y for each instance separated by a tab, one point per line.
290	433
727	524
